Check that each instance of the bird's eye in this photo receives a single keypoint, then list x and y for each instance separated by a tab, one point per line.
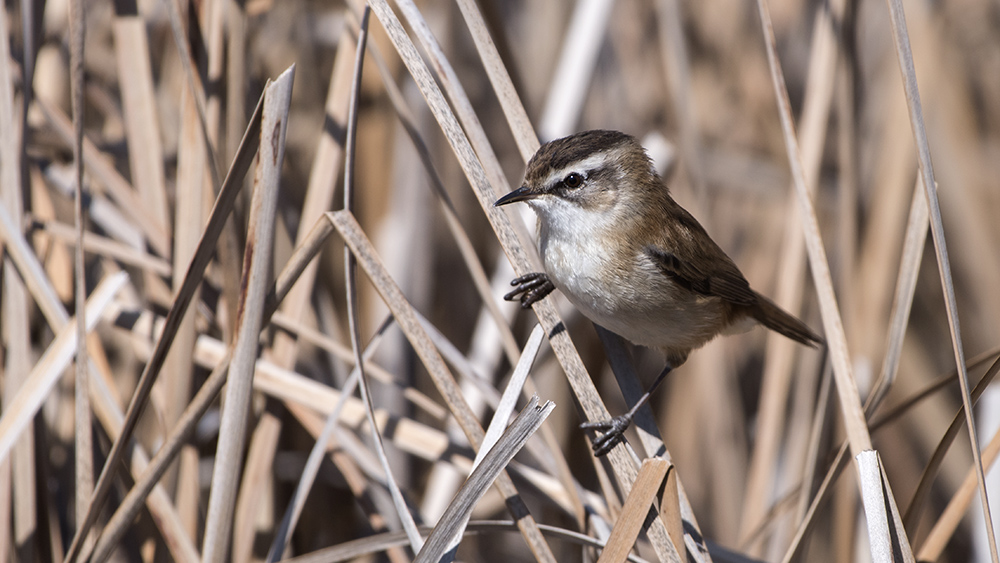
573	180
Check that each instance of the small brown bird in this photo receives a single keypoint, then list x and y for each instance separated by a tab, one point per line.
631	259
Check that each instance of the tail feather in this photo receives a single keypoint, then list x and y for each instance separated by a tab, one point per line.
773	317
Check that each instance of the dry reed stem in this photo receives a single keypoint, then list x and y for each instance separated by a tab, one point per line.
571	78
192	278
380	542
443	541
19	479
256	264
780	352
178	542
51	365
645	491
880	511
850	401
109	179
937	457
195	87
361	248
350	273
957	508
906	286
505	409
295	506
106	247
513	108
191	199
142	127
906	66
458	232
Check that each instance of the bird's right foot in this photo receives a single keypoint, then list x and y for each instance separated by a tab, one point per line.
530	288
613	432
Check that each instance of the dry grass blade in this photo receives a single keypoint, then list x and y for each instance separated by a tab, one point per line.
475	134
443	541
906	287
508	400
850	400
192	278
644	493
571	79
108	178
906	67
84	465
195	87
14	308
380	542
319	195
130	505
350	273
294	510
159	503
840	459
51	365
31	270
957	509
937	458
880	512
108	248
513	109
781	352
257	265
677	67
142	127
351	232
458	232
343	353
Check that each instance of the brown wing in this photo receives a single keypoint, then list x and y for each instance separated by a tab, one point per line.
698	264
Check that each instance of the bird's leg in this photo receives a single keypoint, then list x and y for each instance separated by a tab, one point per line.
614	429
530	288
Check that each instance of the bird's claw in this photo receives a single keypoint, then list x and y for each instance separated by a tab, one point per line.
530	288
613	433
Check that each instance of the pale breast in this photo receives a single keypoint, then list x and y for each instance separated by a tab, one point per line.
628	294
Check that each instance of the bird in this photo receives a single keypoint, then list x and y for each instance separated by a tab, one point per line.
631	259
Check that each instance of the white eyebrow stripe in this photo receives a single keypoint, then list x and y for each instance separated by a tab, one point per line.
594	161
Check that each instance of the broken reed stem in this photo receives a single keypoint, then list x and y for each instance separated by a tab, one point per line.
256	269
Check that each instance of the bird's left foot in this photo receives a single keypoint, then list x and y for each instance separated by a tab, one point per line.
613	432
530	288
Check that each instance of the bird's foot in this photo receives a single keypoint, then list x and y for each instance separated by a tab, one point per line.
613	432
530	288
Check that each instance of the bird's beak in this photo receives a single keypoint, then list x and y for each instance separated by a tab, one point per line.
520	194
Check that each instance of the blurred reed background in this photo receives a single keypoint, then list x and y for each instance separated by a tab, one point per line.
751	423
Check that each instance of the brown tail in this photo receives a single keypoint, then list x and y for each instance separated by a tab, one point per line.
774	318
